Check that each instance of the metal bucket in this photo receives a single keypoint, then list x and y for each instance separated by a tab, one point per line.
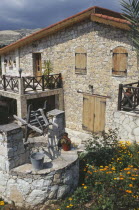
37	160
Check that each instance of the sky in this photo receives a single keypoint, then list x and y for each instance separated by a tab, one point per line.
31	14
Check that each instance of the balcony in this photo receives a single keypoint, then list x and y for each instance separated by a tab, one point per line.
128	97
26	85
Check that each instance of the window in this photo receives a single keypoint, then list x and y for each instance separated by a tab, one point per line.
80	61
120	57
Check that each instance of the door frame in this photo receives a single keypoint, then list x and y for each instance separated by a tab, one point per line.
35	65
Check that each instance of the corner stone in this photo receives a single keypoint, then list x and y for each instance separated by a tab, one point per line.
36	197
136	131
63	190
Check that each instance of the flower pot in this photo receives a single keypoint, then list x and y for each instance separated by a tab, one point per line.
65	147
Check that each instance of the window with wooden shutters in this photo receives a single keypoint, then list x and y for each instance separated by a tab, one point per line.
120	57
80	61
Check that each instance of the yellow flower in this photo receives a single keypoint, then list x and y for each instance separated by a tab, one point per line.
130	185
126	169
2	203
130	166
85	187
70	199
115	178
133	178
128	172
108	172
113	168
128	191
89	172
71	205
68	206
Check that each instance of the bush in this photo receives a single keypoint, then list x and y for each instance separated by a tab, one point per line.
109	175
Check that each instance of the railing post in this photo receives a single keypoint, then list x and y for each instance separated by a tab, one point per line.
60	80
42	82
34	83
12	83
120	96
4	82
20	86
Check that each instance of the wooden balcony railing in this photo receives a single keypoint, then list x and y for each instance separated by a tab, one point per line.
128	97
26	84
9	83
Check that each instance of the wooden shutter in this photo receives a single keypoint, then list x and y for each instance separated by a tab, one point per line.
80	61
120	56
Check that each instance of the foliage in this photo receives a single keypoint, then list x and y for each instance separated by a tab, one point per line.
48	68
65	141
109	186
130	10
101	149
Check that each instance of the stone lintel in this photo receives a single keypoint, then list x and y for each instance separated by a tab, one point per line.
55	112
9	127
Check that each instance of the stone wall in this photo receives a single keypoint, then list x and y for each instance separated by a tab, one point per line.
12	152
99	40
28	188
20	182
127	124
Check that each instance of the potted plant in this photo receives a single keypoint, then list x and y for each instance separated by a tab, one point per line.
65	142
48	68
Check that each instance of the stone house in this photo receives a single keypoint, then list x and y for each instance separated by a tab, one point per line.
94	54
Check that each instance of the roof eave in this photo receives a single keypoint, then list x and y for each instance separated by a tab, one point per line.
115	22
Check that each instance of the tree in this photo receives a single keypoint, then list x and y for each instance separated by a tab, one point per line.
130	10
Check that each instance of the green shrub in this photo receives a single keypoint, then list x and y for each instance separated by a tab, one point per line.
109	175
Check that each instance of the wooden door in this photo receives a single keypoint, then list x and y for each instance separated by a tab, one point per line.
94	113
37	64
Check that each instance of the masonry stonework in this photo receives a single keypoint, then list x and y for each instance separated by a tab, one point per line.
20	182
99	40
127	124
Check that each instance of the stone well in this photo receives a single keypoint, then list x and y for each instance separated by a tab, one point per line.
20	183
26	187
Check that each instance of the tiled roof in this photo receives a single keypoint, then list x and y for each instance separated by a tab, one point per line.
112	18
